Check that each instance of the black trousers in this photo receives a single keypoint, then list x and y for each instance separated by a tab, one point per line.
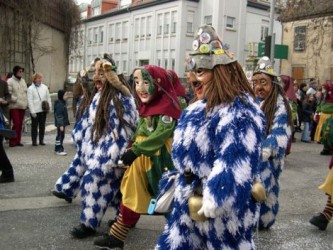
59	140
5	165
38	124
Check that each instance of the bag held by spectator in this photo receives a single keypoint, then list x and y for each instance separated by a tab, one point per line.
45	106
4	131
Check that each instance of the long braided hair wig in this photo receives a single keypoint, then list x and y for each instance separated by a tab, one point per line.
269	105
87	96
228	82
109	93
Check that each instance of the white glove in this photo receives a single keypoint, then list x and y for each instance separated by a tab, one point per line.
208	208
266	153
34	115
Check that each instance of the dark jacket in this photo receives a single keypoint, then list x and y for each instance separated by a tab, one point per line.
60	114
307	111
4	94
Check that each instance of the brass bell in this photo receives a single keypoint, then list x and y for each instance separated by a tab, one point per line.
258	192
194	204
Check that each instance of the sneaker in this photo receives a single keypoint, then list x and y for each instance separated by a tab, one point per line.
63	153
42	143
61	196
82	231
108	242
319	221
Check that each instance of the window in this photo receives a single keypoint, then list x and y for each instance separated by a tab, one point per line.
124	66
174	21
159	24
143	62
165	63
231	22
263	33
96	11
118	32
189	23
299	38
143	27
149	26
111	33
137	28
95	35
166	28
90	36
173	63
208	20
124	3
166	23
101	34
125	30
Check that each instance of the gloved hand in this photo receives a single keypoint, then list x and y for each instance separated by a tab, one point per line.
208	208
266	153
33	115
128	157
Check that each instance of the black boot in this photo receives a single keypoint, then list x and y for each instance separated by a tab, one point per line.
108	242
326	152
61	196
6	179
319	221
82	231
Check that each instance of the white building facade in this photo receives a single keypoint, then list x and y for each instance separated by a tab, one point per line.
161	32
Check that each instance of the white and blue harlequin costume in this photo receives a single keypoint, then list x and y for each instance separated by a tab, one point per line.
69	182
222	149
101	181
94	168
270	170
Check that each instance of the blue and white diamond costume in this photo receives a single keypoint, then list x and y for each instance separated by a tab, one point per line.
101	178
222	149
101	181
276	142
69	182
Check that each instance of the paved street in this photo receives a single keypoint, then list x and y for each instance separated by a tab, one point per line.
31	218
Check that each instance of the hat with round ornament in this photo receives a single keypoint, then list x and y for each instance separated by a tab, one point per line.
264	66
208	50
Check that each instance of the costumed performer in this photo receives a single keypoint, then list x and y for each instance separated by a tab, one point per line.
216	150
278	131
149	155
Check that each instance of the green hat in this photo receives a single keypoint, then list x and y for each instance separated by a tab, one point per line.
208	50
264	66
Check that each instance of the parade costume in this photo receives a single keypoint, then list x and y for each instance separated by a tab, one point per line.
325	109
216	151
103	141
322	219
275	143
178	87
68	185
149	155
